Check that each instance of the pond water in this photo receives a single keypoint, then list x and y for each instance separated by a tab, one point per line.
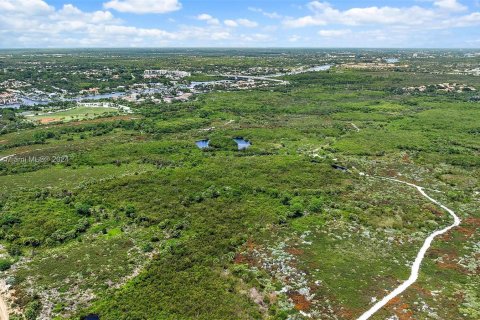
202	144
321	68
25	101
392	60
91	317
242	143
339	167
99	96
194	84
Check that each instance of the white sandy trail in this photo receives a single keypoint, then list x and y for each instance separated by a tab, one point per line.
3	310
355	126
418	260
3	305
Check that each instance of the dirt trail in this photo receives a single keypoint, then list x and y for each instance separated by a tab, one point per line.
355	126
3	305
421	254
3	310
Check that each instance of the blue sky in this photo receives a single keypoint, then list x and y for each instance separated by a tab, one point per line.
240	23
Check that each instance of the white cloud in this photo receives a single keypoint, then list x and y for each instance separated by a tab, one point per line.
34	7
271	15
450	5
323	13
72	13
469	20
230	23
389	36
138	32
334	33
247	23
208	19
256	37
319	6
35	23
190	33
240	22
143	6
305	22
294	38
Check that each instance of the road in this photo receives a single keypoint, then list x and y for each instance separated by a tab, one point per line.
264	78
421	254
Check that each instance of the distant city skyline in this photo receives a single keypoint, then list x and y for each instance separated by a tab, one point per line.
235	23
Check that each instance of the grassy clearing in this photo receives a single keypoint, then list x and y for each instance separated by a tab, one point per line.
75	114
61	176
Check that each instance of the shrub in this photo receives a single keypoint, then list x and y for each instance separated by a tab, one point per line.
14	250
147	248
5	264
9	220
83	209
82	225
30	241
316	205
296	209
32	310
130	211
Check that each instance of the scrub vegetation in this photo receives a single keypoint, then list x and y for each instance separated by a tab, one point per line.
125	217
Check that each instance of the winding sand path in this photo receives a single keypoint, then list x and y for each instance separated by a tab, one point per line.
3	304
3	309
421	254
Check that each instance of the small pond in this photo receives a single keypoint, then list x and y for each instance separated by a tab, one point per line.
91	317
338	167
392	60
321	68
202	144
242	143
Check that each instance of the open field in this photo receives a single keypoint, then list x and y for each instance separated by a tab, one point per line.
75	114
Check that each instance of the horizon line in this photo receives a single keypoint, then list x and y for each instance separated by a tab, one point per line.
220	47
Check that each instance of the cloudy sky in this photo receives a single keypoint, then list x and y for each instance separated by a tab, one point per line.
239	23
